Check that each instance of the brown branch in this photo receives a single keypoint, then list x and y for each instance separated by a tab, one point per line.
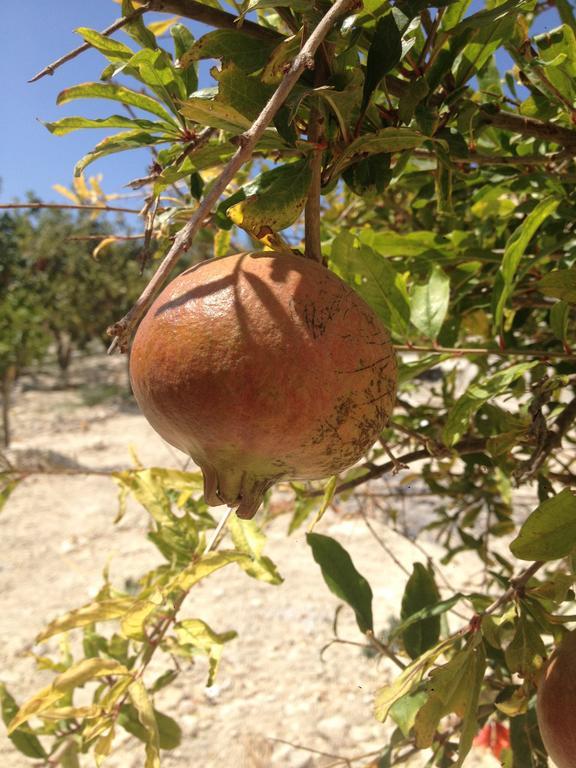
470	445
480	159
462	351
247	142
118	24
214	17
528	126
66	206
515	584
312	212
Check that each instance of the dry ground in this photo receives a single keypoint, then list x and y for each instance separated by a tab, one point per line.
275	700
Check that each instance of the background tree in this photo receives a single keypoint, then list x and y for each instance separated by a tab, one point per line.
23	335
441	187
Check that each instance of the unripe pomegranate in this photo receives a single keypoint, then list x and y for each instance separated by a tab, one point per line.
263	366
556	704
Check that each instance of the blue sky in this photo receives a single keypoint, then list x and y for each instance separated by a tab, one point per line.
32	159
32	35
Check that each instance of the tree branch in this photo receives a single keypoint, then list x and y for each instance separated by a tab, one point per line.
118	24
528	126
205	14
247	142
470	445
462	351
66	206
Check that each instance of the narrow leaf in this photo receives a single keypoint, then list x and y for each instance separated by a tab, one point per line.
342	577
515	249
549	533
429	303
115	93
142	704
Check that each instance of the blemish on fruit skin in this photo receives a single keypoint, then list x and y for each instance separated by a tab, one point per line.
293	379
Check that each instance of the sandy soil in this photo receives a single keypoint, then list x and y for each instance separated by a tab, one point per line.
275	702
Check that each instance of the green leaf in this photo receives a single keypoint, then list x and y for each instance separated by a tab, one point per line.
404	710
115	93
183	41
370	176
549	533
119	143
114	50
235	105
476	395
489	16
384	53
197	634
375	278
469	717
486	40
526	653
559	319
515	249
329	491
561	284
249	538
143	706
385	140
453	687
68	124
429	303
169	732
248	53
303	507
156	70
24	741
138	31
342	577
416	91
407	680
273	200
420	593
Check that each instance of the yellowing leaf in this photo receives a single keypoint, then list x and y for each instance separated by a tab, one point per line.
103	244
209	563
35	706
273	200
161	27
66	193
103	610
85	670
143	705
103	746
199	635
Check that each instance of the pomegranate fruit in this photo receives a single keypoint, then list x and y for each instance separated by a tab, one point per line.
263	366
556	704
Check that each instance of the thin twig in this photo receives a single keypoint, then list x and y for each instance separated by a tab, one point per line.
515	584
214	17
471	445
462	351
118	24
247	142
66	206
312	213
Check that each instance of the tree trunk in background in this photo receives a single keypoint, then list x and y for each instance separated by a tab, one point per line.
63	355
7	381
